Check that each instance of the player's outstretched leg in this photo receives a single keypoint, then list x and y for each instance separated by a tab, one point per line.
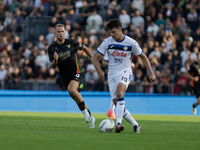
119	128
194	110
128	117
92	122
137	128
111	113
85	112
119	112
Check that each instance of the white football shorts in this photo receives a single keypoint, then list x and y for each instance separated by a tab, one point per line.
113	82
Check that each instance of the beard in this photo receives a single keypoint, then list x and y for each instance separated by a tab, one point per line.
59	39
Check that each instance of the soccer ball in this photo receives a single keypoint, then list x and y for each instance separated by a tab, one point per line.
107	125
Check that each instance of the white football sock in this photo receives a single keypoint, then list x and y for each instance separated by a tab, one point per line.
128	117
86	115
112	105
119	109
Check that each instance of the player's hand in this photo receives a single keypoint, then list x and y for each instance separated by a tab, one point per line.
152	77
55	56
196	79
101	76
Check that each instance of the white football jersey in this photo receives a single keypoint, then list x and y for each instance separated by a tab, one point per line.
119	54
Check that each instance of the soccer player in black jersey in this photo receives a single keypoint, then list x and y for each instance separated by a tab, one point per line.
62	53
194	75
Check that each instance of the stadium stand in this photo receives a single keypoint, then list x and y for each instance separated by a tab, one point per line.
167	30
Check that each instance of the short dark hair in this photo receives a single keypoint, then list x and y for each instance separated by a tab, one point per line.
59	25
113	23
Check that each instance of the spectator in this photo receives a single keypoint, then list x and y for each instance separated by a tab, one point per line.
153	29
160	20
26	10
52	10
29	74
109	15
182	81
53	22
94	21
126	5
8	19
15	4
51	74
125	19
17	44
74	18
139	4
170	41
42	59
50	35
137	20
41	42
156	52
192	19
132	10
3	73
165	81
91	77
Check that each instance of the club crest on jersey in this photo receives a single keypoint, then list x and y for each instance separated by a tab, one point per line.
125	48
68	45
56	48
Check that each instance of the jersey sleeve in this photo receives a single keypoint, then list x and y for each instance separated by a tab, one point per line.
136	49
102	48
106	58
50	53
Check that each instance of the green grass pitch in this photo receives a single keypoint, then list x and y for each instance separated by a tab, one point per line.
68	131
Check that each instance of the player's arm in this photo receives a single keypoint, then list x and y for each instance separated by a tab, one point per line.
104	63
96	61
195	79
105	60
54	63
132	67
87	51
147	64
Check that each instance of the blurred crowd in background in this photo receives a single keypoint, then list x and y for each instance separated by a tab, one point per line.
168	31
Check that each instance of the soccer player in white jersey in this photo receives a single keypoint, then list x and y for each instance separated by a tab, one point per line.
111	113
120	48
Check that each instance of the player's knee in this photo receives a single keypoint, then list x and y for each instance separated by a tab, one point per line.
72	91
120	94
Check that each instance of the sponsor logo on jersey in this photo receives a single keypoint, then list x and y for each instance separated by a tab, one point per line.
63	56
119	54
69	46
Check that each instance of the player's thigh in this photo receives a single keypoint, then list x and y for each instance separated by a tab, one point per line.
112	87
125	79
75	82
72	86
121	89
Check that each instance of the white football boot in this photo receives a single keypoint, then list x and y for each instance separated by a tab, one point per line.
86	115
92	125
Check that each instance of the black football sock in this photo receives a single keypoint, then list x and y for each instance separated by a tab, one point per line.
81	106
